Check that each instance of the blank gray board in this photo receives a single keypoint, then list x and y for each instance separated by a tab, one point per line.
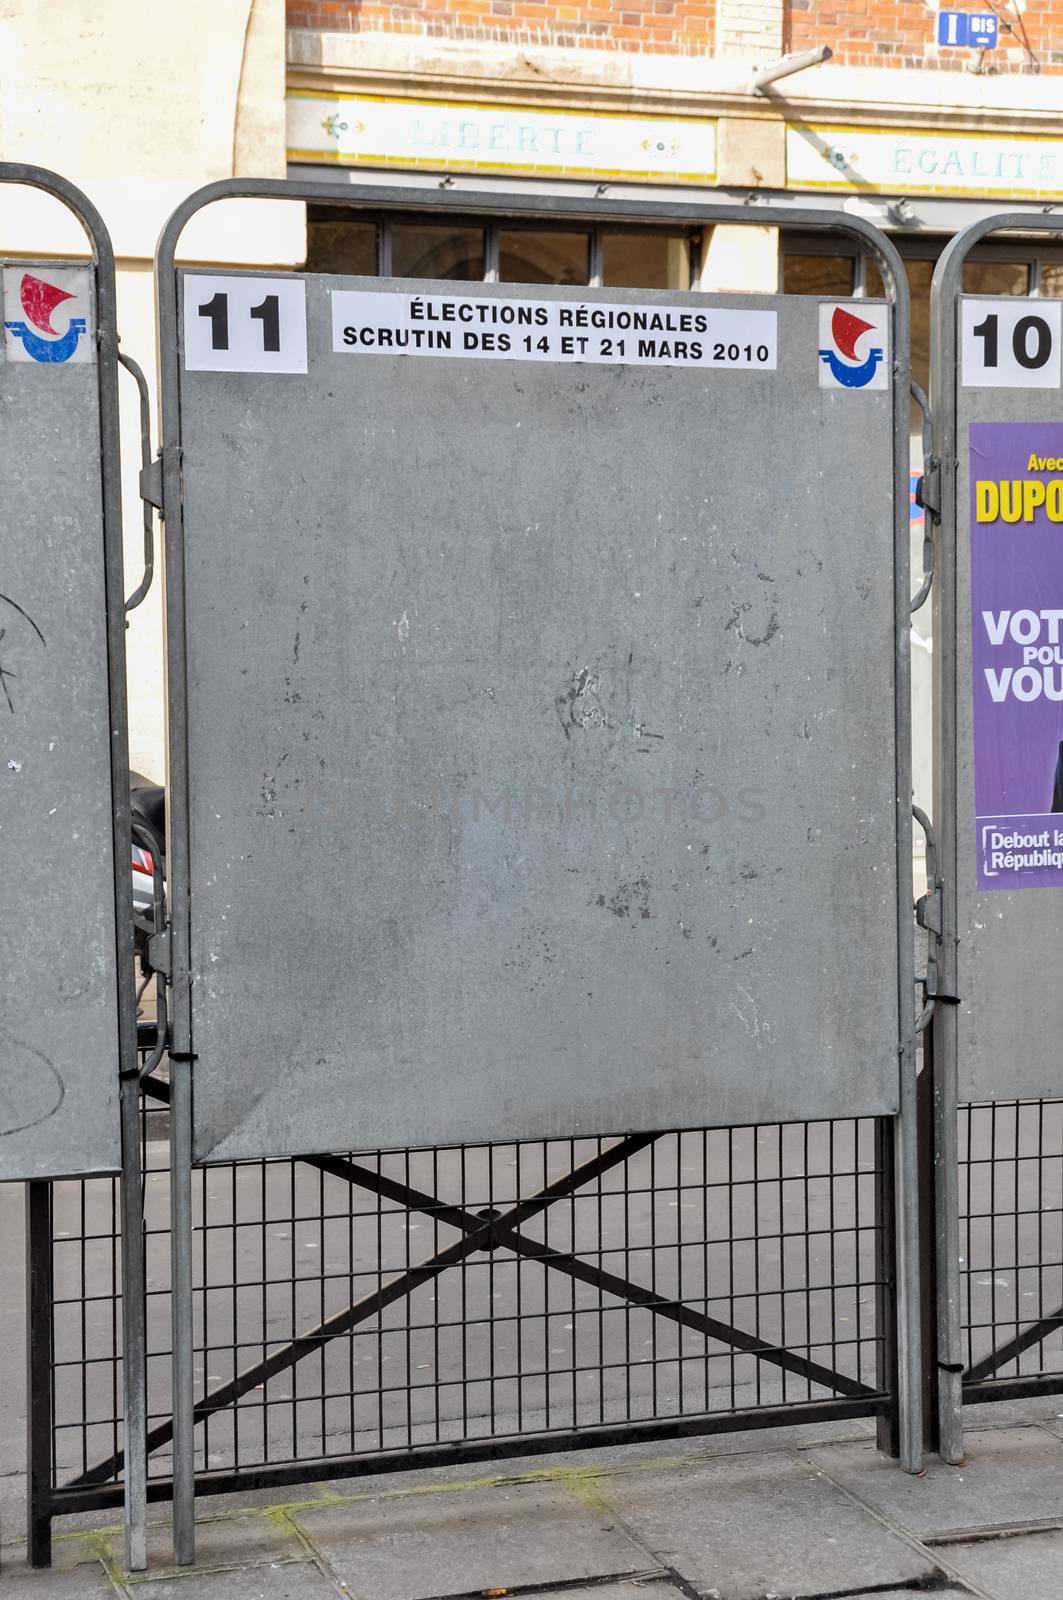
540	741
58	1021
1010	954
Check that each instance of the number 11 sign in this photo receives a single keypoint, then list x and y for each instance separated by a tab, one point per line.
244	324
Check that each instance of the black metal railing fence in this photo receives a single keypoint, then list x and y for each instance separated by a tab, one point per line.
361	1312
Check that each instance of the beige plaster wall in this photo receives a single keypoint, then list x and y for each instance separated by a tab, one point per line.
139	102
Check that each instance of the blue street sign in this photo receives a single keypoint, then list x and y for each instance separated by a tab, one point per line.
971	30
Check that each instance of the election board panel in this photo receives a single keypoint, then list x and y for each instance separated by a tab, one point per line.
539	654
59	1056
1009	604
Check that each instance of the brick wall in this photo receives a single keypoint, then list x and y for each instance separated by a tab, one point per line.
862	33
670	27
901	33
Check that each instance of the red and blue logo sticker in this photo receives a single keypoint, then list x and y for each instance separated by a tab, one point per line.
853	346
47	315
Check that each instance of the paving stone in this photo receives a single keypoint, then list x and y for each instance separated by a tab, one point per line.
405	1547
660	1453
72	1550
220	1541
68	1550
1026	1566
747	1442
754	1525
87	1581
1046	1409
1011	1475
291	1580
12	1506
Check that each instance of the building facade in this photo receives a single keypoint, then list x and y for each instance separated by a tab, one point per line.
921	121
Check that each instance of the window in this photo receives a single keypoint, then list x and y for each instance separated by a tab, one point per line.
338	243
470	252
830	276
425	250
656	260
543	255
996	277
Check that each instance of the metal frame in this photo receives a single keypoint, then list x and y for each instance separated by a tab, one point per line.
547	207
946	287
132	1198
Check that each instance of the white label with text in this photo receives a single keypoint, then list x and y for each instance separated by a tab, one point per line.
370	322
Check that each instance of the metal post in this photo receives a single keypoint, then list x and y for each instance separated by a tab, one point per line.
39	1338
928	1235
945	1042
134	1331
906	1136
184	1527
887	1427
909	1314
134	1278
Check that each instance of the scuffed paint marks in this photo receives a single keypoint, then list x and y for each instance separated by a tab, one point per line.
578	705
630	900
737	622
746	1010
23	630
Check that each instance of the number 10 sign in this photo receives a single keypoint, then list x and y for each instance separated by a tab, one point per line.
244	324
1011	344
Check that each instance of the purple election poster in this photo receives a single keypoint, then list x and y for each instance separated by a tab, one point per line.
1016	471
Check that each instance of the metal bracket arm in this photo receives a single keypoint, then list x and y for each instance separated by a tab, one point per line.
149	496
927	495
928	916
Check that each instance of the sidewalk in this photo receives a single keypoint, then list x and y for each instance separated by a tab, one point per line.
811	1513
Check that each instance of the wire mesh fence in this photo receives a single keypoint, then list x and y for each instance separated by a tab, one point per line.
352	1306
1011	1244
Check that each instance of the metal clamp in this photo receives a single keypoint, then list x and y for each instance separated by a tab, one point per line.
159	951
928	911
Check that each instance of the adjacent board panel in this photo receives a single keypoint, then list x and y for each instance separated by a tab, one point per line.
1010	713
540	712
58	1024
